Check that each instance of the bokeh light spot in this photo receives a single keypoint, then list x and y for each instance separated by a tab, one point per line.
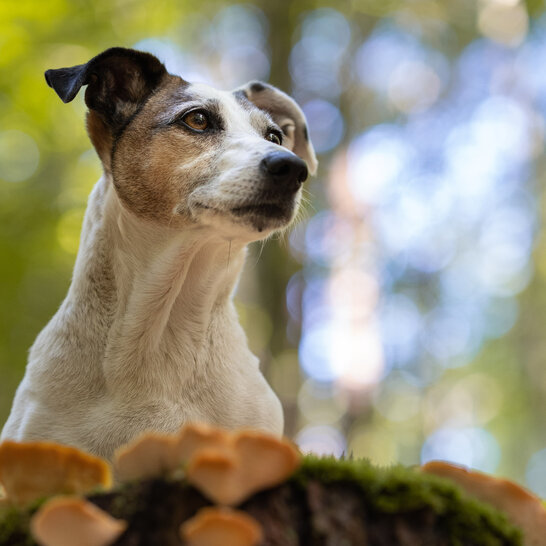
326	124
472	447
398	400
321	440
535	474
374	443
414	86
319	404
504	23
68	230
375	161
19	156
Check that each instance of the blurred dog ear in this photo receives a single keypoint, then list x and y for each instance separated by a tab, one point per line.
287	115
118	82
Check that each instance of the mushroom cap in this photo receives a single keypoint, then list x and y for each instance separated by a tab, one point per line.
218	476
221	527
521	506
67	521
149	455
195	437
30	470
257	461
267	460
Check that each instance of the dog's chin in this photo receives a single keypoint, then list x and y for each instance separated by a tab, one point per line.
252	221
265	216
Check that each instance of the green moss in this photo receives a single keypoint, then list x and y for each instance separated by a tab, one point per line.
14	524
14	527
399	489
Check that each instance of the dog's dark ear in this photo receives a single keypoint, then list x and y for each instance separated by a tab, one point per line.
287	115
118	81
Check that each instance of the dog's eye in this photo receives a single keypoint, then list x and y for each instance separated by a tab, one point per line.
196	120
274	137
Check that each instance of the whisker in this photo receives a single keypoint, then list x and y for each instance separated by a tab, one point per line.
229	255
262	245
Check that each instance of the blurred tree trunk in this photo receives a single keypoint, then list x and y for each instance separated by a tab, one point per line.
275	267
274	270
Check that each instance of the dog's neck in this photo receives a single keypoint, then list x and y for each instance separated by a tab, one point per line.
158	291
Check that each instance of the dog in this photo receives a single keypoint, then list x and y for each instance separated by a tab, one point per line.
148	338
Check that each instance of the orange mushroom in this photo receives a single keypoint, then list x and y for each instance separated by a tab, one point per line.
226	466
221	527
154	454
66	521
32	470
265	460
195	437
148	456
522	507
257	461
218	476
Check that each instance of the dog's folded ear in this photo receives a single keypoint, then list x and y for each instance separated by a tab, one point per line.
118	81
287	115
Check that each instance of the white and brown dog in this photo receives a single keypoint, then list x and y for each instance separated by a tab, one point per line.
148	337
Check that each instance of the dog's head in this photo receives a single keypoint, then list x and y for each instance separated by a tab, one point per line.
182	153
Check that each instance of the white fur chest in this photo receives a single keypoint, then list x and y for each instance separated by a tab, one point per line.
142	348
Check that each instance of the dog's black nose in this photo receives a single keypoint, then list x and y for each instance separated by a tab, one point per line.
285	168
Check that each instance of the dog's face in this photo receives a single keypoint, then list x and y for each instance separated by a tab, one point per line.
187	154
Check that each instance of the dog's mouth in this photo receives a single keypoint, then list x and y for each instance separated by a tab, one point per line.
268	210
261	215
277	210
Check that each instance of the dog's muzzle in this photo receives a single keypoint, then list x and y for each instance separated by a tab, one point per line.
274	202
285	170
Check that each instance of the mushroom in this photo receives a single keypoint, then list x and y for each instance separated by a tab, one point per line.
195	437
65	521
218	476
227	467
148	456
155	454
257	461
522	507
32	470
221	526
265	460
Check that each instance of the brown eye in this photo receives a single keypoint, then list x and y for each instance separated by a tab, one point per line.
273	137
196	120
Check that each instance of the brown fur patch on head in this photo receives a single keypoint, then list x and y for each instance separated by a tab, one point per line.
154	162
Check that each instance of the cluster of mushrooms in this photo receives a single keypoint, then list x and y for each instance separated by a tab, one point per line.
227	467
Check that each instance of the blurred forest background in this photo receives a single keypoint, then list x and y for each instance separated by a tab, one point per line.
404	318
